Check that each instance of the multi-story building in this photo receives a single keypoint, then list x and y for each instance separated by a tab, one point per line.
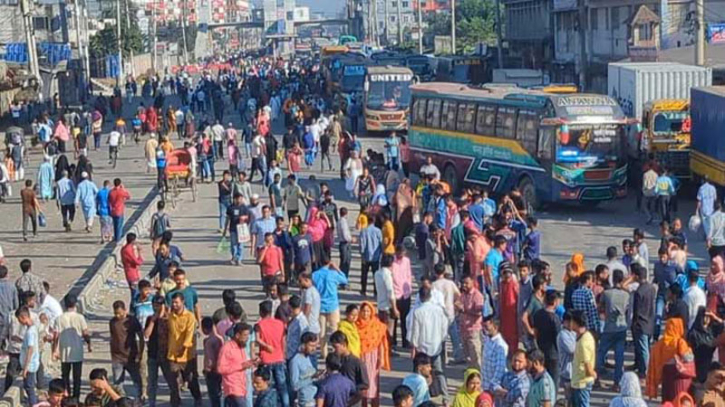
528	31
388	27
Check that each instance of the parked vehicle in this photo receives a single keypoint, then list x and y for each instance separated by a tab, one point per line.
707	156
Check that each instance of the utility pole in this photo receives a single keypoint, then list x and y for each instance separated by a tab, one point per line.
387	22
375	22
453	27
86	41
118	37
420	28
400	22
79	41
25	10
183	29
700	33
499	36
128	31
583	60
153	36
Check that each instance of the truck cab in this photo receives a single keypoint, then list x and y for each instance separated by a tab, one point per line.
666	128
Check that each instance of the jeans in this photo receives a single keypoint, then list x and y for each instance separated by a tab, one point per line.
279	373
368	266
214	388
345	258
665	207
607	341
119	374
96	141
77	368
117	227
233	401
205	169
69	213
153	366
31	218
223	206
29	387
455	340
257	165
659	312
440	383
13	369
236	246
403	305
650	205
581	397
393	163
641	351
705	224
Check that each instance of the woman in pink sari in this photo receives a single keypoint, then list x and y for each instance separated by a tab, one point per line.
509	298
477	248
452	218
405	206
716	293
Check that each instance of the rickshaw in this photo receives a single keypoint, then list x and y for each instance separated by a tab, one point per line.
179	167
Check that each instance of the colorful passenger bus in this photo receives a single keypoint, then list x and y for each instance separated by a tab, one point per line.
552	147
387	98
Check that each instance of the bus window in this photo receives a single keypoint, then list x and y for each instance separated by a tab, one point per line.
527	129
470	120
433	118
448	115
485	120
461	118
419	112
506	122
546	140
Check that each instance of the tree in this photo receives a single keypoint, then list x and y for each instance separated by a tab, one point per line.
105	42
475	22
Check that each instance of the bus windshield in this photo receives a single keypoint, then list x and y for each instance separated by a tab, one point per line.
389	94
669	122
419	66
588	144
353	78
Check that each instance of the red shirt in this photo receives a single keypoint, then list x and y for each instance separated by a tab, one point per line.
131	263
271	261
117	200
271	332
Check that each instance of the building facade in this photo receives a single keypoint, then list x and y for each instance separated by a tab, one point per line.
390	20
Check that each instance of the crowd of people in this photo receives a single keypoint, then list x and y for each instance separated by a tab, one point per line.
458	277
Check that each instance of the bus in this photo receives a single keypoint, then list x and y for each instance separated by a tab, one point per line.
553	148
387	98
344	71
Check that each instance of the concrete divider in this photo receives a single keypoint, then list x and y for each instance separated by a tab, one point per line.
96	275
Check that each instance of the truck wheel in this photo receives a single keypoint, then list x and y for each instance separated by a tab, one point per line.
451	178
528	191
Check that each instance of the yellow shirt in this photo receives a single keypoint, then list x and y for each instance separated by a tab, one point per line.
585	352
389	236
182	328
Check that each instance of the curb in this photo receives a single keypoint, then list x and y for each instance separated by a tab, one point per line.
110	257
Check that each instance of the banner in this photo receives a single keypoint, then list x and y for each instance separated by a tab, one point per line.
716	33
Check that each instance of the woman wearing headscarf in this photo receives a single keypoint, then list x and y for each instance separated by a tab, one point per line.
61	164
353	169
374	350
46	176
671	362
86	197
684	399
484	400
452	216
477	248
470	390
317	226
577	267
630	392
716	293
703	339
84	165
348	327
405	206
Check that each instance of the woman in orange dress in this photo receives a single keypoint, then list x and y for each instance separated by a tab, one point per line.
374	351
671	363
509	298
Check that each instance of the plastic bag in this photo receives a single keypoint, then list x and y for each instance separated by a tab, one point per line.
243	233
223	245
42	222
694	223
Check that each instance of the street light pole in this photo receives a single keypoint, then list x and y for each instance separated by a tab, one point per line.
453	27
118	37
420	28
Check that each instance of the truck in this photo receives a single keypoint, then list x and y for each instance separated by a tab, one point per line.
707	155
657	95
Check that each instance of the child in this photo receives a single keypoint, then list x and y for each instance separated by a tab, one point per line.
532	243
212	345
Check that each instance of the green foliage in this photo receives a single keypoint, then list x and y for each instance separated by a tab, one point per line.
105	41
475	22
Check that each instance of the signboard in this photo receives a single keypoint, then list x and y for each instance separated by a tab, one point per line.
391	78
565	5
354	70
716	33
585	100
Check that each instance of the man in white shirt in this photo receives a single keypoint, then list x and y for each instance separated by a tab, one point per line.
451	295
694	297
649	182
50	306
387	311
427	334
113	139
259	151
217	132
430	170
613	263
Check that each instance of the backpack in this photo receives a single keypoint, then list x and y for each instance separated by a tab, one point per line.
158	225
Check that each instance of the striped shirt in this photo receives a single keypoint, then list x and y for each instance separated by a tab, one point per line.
494	362
583	300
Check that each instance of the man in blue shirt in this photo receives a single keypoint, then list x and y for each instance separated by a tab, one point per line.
665	274
260	227
477	212
392	148
371	241
66	195
706	197
327	280
492	262
336	390
532	243
29	354
302	371
302	245
665	190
